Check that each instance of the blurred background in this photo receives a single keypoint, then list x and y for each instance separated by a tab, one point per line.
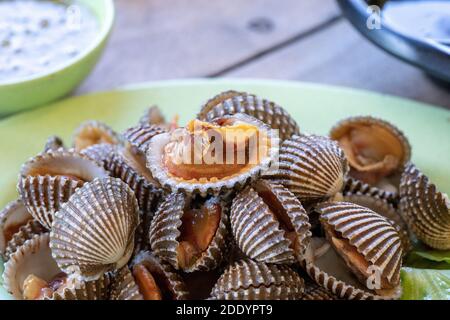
306	40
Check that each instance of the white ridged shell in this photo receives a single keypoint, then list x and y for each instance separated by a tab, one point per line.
94	132
25	233
94	231
141	135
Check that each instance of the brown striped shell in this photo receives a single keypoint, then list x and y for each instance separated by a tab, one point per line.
212	172
130	285
128	164
232	102
94	231
12	218
314	292
91	133
312	167
354	186
31	269
425	209
387	210
375	149
171	235
141	135
250	280
100	153
25	233
362	256
49	179
153	116
269	224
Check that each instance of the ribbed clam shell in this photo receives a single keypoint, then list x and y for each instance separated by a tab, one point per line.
94	231
249	280
343	125
54	143
173	281
354	186
370	233
164	234
137	177
314	292
46	182
124	287
425	209
153	116
312	167
213	186
388	211
257	230
100	153
85	290
141	135
13	216
25	233
93	132
232	102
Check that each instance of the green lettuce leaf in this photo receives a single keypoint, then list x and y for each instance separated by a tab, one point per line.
425	284
438	256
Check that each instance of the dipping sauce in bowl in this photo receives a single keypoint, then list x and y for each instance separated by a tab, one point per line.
37	36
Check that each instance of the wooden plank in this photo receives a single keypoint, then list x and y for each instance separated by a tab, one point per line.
160	39
339	55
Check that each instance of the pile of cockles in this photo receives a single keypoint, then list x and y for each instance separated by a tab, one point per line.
237	204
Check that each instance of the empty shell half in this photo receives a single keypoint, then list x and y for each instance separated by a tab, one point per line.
32	274
425	209
93	132
190	234
49	179
232	102
212	158
94	231
250	280
148	279
376	150
312	167
269	224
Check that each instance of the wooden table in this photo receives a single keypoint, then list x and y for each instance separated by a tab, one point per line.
305	40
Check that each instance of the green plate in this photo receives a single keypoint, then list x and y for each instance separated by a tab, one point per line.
316	108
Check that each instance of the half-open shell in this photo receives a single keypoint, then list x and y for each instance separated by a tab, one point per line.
312	167
49	179
94	231
250	280
190	234
25	233
14	216
31	273
355	186
376	150
269	223
93	132
212	158
232	102
425	209
148	279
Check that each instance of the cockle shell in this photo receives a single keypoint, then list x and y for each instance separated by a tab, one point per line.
141	135
314	292
375	148
354	186
94	231
232	102
250	280
425	209
213	185
25	233
312	167
347	263
165	233
153	116
127	288
12	217
49	179
388	211
94	132
128	164
261	218
34	258
101	154
54	143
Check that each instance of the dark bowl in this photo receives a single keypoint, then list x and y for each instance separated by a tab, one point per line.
430	56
